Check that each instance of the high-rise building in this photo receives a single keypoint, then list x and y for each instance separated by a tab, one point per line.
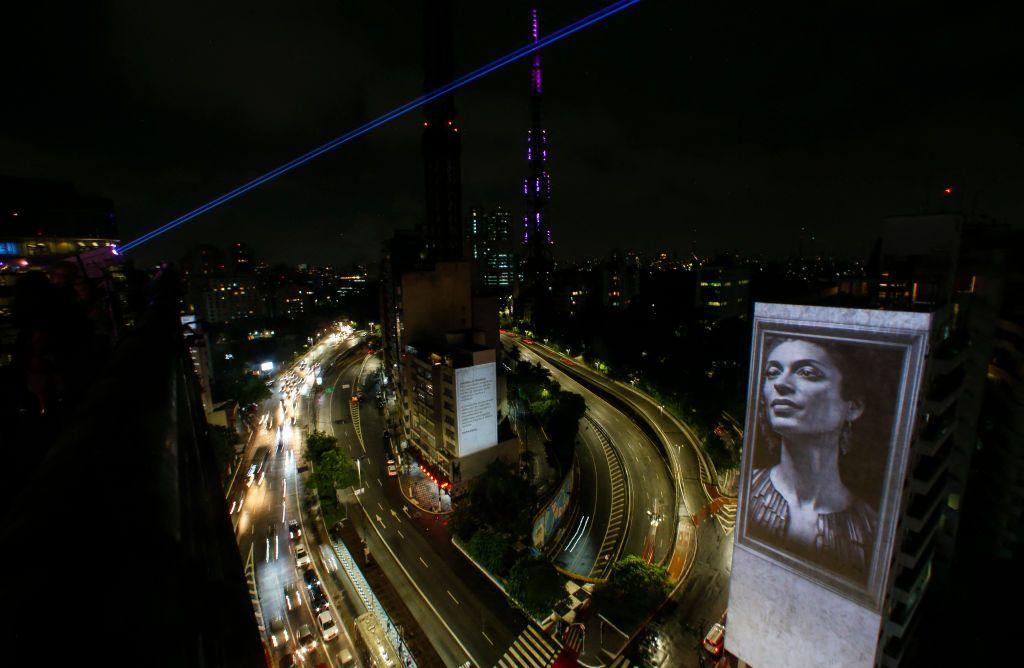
620	279
227	298
965	446
442	147
992	272
490	245
45	221
537	239
446	383
439	338
926	264
722	292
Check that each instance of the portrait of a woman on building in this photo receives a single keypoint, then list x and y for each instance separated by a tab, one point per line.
824	416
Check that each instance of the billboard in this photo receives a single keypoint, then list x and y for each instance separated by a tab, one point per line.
830	409
476	398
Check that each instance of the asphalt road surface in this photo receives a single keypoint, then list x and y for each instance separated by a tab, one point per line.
649	531
268	503
463	614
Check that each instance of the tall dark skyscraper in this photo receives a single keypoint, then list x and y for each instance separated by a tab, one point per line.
442	148
537	240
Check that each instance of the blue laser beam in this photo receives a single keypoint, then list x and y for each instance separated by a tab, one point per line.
465	79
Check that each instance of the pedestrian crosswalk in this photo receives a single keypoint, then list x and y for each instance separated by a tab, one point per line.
574	637
620	662
531	649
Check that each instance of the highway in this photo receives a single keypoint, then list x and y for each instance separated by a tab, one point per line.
268	504
463	614
580	545
705	528
651	505
624	484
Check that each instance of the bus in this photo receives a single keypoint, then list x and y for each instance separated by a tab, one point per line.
381	652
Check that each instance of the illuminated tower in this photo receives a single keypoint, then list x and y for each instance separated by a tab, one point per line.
537	241
442	225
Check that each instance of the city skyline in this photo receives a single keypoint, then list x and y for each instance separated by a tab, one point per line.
300	354
756	137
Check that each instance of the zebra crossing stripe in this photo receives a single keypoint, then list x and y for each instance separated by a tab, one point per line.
533	652
530	649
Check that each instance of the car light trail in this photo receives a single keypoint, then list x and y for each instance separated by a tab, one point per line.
583	525
465	79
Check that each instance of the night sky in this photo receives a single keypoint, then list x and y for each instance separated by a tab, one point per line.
669	120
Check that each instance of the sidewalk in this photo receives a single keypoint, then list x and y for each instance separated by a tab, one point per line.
419	490
422	492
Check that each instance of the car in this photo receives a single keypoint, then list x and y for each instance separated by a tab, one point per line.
305	638
354	399
250	476
316	593
301	556
392	470
278	632
327	626
714	641
294	531
317	598
292	596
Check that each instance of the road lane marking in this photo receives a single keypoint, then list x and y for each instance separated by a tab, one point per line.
424	564
453	598
486	638
380	506
400	534
380	483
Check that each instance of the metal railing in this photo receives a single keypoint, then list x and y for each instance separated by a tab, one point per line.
373	605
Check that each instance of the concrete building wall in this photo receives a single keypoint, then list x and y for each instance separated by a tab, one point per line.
436	301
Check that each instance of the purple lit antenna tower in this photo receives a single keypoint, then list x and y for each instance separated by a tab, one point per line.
537	239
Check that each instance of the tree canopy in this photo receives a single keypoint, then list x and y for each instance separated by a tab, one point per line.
536	584
502	500
318	443
634	589
333	470
493	550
